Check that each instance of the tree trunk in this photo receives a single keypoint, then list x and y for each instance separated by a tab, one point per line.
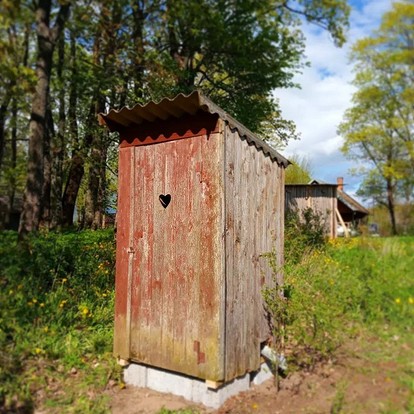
139	50
12	183
46	40
58	147
76	169
391	206
3	116
95	193
47	170
93	206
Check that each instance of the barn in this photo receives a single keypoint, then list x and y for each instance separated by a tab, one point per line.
200	200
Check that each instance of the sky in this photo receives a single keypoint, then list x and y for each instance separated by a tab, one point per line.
326	92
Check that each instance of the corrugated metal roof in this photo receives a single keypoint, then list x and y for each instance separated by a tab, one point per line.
351	202
177	107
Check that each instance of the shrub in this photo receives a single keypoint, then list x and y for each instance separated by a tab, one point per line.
303	233
298	324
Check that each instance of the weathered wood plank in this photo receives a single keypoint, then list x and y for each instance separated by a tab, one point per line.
121	341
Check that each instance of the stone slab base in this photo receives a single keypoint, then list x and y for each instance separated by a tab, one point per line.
191	389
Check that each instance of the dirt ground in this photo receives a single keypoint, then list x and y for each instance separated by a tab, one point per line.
349	385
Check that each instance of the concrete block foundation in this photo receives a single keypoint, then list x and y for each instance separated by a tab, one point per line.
191	389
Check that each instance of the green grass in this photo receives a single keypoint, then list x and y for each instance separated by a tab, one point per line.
349	291
57	299
56	321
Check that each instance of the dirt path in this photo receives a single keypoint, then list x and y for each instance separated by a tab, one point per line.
350	385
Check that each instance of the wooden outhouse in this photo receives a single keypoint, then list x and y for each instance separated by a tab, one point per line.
321	198
200	200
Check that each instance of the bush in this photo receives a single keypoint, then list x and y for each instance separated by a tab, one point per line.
303	233
298	309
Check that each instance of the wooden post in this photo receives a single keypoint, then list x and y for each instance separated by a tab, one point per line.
338	214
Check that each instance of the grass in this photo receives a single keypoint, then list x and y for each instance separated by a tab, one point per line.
56	315
346	291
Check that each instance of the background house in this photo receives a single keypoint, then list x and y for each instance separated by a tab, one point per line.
339	211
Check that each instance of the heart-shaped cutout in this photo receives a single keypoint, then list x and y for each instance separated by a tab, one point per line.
165	199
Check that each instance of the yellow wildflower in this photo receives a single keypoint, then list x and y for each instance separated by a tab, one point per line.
411	300
85	311
397	301
42	305
62	304
64	280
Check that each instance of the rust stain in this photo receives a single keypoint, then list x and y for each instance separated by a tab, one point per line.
201	356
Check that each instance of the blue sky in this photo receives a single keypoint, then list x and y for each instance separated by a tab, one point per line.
326	91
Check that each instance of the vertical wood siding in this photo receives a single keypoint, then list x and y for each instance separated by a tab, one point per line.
190	276
321	198
254	226
125	200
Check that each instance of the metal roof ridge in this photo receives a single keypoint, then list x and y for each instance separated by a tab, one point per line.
206	104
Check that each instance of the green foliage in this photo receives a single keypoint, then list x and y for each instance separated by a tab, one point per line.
334	291
303	233
56	319
299	172
304	238
378	128
404	216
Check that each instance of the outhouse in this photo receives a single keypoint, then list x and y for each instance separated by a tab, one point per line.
200	200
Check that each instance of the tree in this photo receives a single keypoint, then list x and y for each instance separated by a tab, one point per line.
379	128
238	52
47	37
299	172
111	53
17	80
